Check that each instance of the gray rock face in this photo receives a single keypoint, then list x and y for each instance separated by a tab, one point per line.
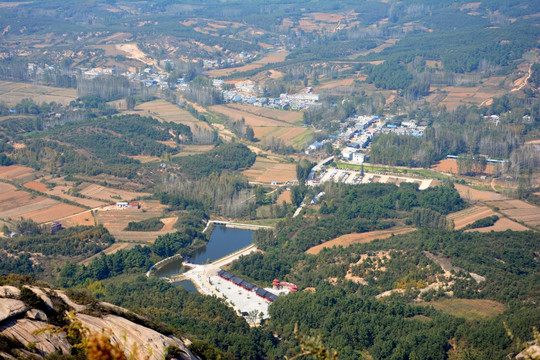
9	291
10	308
133	336
67	300
47	300
36	314
26	331
136	340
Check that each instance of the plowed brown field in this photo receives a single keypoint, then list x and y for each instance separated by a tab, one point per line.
266	171
358	238
470	215
36	186
108	194
469	193
502	224
116	220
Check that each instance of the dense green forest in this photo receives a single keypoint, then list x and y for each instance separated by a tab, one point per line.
232	156
406	297
107	143
395	328
347	209
152	224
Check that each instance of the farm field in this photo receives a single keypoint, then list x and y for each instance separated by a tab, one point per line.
446	165
84	218
36	186
194	149
519	210
470	309
284	196
165	111
13	172
516	210
357	238
283	115
116	220
502	224
450	166
266	171
266	123
456	96
470	194
251	118
468	216
108	194
13	92
18	204
62	191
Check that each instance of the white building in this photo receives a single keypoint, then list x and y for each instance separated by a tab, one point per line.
358	158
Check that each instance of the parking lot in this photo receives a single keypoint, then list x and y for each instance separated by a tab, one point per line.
242	300
355	177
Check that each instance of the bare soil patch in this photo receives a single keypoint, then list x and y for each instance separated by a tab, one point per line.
84	218
468	216
133	52
13	92
168	223
36	186
16	203
271	57
358	238
266	171
284	196
116	220
50	213
469	95
14	171
165	111
446	165
6	188
502	224
471	309
471	194
275	114
336	83
251	118
194	149
62	191
108	194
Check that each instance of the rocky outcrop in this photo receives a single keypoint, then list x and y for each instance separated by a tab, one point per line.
42	295
10	308
31	327
62	295
36	314
137	341
9	291
31	331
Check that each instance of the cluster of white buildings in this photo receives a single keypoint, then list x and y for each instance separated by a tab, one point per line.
228	62
248	93
406	127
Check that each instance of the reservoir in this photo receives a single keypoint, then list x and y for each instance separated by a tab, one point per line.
223	241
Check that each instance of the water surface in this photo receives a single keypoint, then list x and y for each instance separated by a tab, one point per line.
223	241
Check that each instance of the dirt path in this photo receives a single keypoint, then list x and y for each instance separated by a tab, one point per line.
169	223
523	81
